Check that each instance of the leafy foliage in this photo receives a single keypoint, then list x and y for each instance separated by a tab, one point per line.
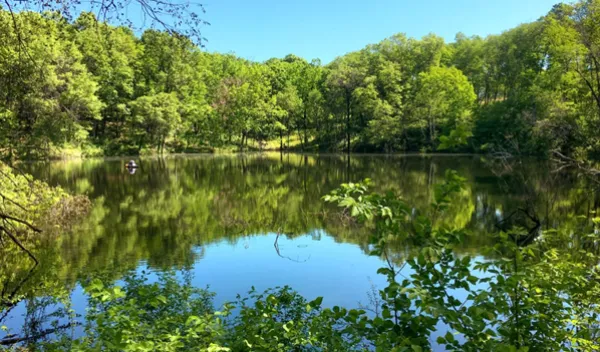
520	298
165	316
28	207
86	85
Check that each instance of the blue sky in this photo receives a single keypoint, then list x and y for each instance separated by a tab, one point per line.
325	29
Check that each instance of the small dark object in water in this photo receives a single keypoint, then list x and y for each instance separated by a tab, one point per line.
131	165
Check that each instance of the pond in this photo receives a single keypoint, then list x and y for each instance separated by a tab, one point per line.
258	220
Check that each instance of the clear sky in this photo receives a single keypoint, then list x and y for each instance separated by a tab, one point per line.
325	29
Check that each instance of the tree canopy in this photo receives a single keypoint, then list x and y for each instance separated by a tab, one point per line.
91	85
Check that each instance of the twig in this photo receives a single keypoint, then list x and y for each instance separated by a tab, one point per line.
16	339
572	162
13	202
18	243
497	225
11	218
9	303
276	245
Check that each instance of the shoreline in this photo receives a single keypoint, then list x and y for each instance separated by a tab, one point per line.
254	153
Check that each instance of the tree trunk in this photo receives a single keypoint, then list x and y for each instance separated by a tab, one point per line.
301	139
403	133
305	129
348	122
431	128
141	143
281	141
318	130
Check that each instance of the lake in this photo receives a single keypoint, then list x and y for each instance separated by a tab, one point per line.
238	221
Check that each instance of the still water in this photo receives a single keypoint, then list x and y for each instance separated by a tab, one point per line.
258	220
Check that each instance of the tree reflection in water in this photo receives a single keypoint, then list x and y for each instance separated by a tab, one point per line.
166	214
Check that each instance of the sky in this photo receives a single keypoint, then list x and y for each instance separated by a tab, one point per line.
324	29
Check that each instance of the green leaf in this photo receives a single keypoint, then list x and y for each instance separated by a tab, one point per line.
118	292
316	302
95	285
216	348
192	320
347	202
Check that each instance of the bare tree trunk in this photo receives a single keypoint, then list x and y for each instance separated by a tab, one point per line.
348	122
301	139
141	143
431	129
305	129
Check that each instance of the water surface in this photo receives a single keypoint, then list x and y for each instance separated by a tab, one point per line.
220	216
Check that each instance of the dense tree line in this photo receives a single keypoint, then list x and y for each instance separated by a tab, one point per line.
86	85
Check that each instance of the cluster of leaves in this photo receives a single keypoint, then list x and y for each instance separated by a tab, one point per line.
280	319
27	207
25	198
539	297
171	315
180	18
164	316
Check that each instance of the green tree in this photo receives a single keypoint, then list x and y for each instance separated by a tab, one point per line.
110	55
345	76
445	99
242	102
154	118
573	40
49	100
290	104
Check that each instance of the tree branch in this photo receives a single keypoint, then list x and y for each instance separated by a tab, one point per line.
11	218
16	339
276	245
18	243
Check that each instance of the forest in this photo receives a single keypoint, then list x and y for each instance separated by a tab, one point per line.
494	252
83	87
